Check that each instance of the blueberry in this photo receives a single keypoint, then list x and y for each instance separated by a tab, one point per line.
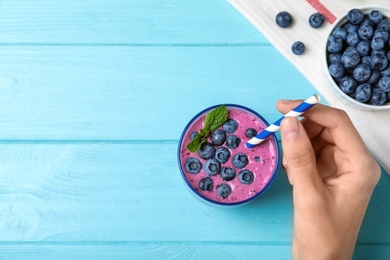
316	20
340	32
218	137
228	173
334	57
350	58
363	92
375	16
379	61
348	84
283	19
224	190
365	32
240	160
336	70
350	28
374	78
222	155
206	184
193	135
232	142
384	25
230	126
362	72
298	48
384	84
378	97
388	55
377	43
367	22
355	16
206	151
367	60
385	72
212	167
246	177
382	34
334	44
363	48
193	165
250	132
353	39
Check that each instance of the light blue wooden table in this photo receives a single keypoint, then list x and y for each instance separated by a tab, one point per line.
93	98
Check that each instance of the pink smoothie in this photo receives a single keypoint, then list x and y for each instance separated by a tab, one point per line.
263	159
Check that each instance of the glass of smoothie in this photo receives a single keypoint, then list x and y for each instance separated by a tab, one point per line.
223	171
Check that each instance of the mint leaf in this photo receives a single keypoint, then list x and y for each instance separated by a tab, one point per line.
213	120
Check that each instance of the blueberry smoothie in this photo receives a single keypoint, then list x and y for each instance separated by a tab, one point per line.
223	171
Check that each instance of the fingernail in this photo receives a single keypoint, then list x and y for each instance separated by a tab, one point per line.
290	128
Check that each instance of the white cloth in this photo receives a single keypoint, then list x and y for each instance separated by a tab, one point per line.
373	125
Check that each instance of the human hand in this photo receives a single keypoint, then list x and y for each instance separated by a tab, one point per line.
333	176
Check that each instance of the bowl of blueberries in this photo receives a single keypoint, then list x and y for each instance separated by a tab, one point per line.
357	57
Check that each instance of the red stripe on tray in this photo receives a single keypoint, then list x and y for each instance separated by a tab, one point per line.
329	16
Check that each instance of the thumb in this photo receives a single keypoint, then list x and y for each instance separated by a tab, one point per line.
299	155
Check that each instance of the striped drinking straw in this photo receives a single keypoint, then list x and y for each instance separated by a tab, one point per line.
270	130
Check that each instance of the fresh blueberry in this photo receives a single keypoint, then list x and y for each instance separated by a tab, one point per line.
381	51
224	190
363	92
193	135
382	34
388	55
367	60
206	151
348	84
222	155
350	28
206	184
375	16
240	160
368	22
365	32
353	39
334	57
384	25
316	20
230	126
334	44
340	32
218	137
362	72
193	165
336	70
377	43
298	48
374	78
246	177
283	19
385	72
363	48
250	132
384	84
379	61
228	173
350	58
378	97
355	16
212	167
232	141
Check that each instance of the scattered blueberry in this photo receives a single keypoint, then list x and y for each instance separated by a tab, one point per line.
378	97
232	141
206	184
363	92
206	151
228	173
362	72
336	70
298	48
230	126
283	19
193	165
334	44
316	20
240	160
250	132
193	135
212	167
355	16
245	177
375	16
384	84
218	137
224	190
222	155
348	84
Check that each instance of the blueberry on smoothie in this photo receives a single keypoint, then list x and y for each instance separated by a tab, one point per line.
250	132
228	173
230	126
316	20
240	160
206	151
193	165
222	155
232	141
224	190
283	19
193	135
212	167
218	137
246	177
206	184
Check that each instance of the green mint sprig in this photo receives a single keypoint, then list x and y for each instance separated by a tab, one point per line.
214	119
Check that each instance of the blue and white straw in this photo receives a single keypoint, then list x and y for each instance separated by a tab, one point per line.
270	130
